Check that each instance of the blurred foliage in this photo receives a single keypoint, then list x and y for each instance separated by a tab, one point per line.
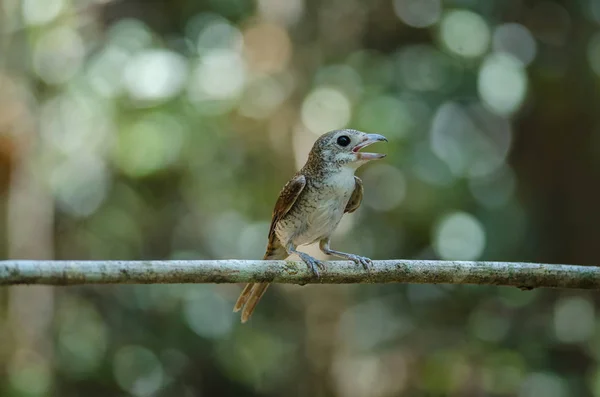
165	129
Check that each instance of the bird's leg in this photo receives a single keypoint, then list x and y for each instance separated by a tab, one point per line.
312	263
359	260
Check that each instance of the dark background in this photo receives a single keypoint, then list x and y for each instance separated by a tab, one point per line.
165	129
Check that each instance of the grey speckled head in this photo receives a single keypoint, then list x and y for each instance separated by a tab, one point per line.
342	147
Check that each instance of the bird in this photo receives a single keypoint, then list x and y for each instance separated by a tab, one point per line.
312	203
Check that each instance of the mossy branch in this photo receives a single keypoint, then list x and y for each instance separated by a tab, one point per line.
522	275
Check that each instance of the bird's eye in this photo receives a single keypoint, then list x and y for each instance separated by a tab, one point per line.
343	141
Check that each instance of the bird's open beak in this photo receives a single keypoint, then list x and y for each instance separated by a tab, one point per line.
369	139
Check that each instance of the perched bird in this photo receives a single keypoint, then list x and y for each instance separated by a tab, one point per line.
312	203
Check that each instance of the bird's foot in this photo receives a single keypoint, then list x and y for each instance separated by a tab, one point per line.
361	260
313	264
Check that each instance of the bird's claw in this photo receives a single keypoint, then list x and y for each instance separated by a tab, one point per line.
361	260
313	264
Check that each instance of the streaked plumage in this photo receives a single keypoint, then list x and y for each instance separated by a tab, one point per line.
312	203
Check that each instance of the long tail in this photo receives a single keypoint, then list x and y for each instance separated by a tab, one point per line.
257	290
252	292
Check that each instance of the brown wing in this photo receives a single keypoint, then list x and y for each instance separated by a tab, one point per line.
254	291
356	198
290	192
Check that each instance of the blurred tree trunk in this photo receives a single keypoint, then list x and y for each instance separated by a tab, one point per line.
29	212
555	154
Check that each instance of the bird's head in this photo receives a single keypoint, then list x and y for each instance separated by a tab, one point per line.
342	148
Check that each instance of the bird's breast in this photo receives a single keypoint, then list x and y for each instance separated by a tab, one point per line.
318	211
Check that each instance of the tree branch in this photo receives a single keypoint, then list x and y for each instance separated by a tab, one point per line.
522	275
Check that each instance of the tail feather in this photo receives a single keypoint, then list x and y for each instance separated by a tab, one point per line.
252	292
243	297
258	291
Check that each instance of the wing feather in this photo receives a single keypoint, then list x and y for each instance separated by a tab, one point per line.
288	196
252	293
356	198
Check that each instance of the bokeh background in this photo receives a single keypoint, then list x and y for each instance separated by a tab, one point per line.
165	129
